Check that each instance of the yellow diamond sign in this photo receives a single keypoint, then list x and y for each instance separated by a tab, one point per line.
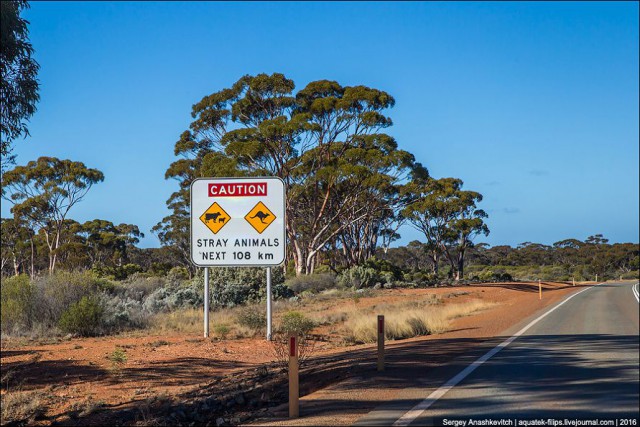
215	217
260	217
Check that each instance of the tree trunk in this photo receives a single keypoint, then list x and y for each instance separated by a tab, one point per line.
460	266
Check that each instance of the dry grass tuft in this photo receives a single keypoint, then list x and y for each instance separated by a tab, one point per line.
21	406
407	320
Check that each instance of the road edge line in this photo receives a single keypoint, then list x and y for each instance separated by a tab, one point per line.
418	409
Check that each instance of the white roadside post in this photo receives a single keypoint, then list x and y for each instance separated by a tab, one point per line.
206	302
238	222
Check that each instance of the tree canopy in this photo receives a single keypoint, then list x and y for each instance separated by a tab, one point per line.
44	191
342	173
18	86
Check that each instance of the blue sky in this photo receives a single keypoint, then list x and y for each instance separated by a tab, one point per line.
535	105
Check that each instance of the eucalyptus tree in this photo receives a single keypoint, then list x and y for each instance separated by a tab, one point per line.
16	245
106	243
44	191
18	85
259	127
449	219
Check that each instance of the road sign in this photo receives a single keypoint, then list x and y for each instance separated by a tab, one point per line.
237	222
215	218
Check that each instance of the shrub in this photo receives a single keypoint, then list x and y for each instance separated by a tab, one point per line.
56	293
122	313
237	286
138	286
358	277
16	303
314	283
22	408
295	323
177	274
388	271
222	330
83	318
252	318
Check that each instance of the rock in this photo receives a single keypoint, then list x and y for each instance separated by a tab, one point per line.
240	399
377	286
219	421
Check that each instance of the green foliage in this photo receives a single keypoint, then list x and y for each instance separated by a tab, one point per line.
295	323
448	218
253	319
44	191
237	286
489	275
358	277
346	168
16	303
313	282
221	330
118	356
18	85
83	318
117	272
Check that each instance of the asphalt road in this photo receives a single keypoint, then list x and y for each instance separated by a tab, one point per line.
580	361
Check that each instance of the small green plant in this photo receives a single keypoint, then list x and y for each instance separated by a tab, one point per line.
252	318
293	323
118	357
296	323
83	318
221	330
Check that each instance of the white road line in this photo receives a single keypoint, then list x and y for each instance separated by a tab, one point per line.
417	410
635	292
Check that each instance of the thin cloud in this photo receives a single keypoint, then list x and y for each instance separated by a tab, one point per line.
511	210
539	172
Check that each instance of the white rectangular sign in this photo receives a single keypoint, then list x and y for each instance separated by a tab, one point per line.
237	222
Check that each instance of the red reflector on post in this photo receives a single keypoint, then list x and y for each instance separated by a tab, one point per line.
381	324
292	346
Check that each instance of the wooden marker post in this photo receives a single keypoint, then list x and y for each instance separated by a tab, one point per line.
574	281
539	289
294	388
380	343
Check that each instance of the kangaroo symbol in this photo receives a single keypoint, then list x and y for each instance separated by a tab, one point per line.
261	216
211	216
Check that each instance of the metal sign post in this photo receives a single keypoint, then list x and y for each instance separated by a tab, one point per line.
206	302
269	303
238	222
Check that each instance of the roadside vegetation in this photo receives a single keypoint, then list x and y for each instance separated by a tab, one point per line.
349	187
